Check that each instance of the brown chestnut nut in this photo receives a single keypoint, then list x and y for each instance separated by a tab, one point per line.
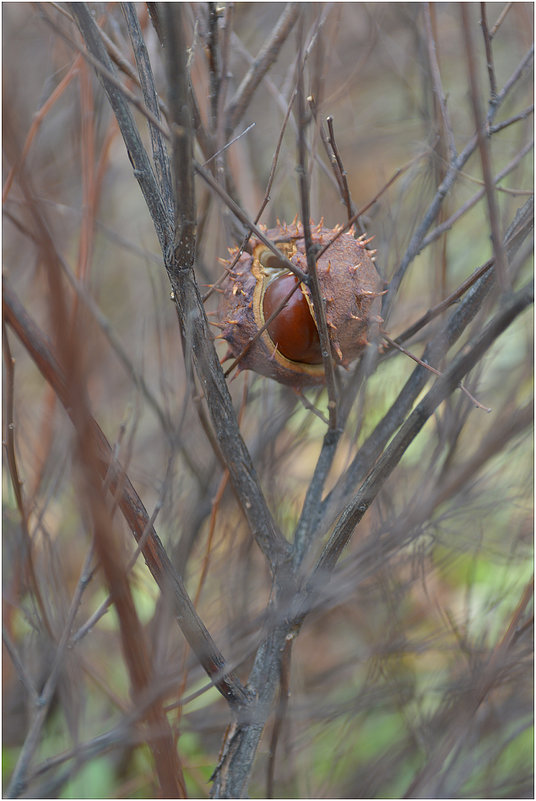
293	331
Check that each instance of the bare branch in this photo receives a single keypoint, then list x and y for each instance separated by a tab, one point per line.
500	19
436	78
340	167
303	485
192	317
250	225
433	370
160	157
489	51
139	159
447	224
354	219
167	578
318	300
450	332
415	245
485	157
465	360
515	118
238	104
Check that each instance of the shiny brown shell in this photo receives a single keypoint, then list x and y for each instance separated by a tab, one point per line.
288	350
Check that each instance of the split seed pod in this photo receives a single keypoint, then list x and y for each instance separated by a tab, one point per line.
288	349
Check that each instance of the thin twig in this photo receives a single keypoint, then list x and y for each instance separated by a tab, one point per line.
225	39
489	51
464	361
493	129
340	167
437	84
117	96
449	333
275	157
397	173
22	674
228	145
9	445
433	370
500	19
263	205
242	97
436	310
213	58
250	225
160	157
485	156
278	96
329	151
318	300
132	509
447	224
37	121
140	544
310	407
415	245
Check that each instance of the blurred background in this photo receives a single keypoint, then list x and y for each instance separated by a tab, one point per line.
437	570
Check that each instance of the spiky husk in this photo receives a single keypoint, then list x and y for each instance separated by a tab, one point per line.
350	286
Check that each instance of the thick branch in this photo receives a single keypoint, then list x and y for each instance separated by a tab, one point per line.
197	339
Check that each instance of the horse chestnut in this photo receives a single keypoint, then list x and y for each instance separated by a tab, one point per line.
293	331
288	347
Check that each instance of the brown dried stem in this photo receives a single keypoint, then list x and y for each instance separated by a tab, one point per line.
489	51
242	97
318	300
436	79
132	508
194	325
485	156
468	356
340	168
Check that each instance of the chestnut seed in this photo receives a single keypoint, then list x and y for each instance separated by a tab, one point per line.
293	331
